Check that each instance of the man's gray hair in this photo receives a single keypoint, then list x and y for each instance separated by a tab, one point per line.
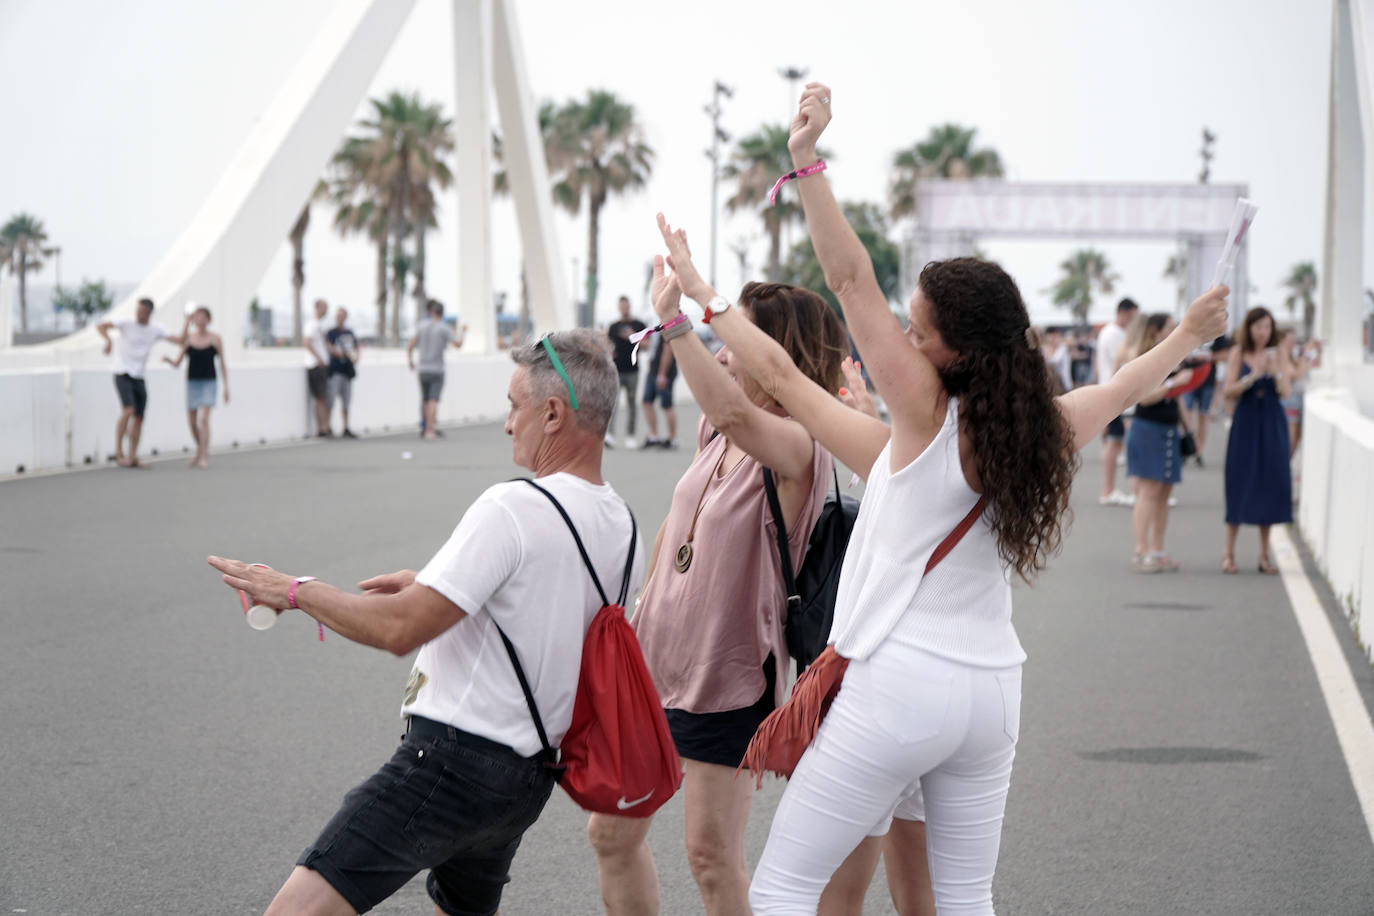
586	355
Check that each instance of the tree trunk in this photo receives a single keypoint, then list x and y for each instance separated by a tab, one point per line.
774	252
381	290
23	296
298	270
421	295
1309	317
594	205
398	279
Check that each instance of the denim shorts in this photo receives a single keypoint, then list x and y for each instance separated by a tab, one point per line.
200	392
452	802
431	384
664	396
1200	398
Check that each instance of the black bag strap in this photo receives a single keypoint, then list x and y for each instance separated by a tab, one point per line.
789	579
550	754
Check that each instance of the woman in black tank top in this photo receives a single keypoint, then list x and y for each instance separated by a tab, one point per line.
200	349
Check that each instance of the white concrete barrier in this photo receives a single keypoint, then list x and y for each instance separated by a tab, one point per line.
1336	511
65	417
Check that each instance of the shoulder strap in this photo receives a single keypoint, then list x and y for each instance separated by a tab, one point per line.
550	755
789	578
954	537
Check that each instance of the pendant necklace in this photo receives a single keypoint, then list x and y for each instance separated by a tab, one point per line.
683	560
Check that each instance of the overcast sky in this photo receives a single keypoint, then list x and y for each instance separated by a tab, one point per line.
119	118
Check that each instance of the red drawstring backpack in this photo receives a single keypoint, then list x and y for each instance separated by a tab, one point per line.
618	756
779	743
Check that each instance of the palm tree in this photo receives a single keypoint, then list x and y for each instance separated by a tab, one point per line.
383	186
297	238
870	225
595	147
1302	285
946	152
754	166
1084	270
21	248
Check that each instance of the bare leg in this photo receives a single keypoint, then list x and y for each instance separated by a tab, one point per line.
347	428
195	437
121	427
135	433
908	869
1161	516
625	865
650	420
844	895
1266	565
204	438
306	893
321	415
1111	451
717	812
1228	559
1142	515
1294	438
431	415
671	414
1200	430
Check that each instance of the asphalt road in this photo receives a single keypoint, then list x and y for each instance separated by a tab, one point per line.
158	756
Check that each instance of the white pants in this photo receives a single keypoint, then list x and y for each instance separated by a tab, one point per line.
903	720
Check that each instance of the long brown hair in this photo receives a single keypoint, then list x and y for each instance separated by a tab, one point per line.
1022	444
805	325
1247	340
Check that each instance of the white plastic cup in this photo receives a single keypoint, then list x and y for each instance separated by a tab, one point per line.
259	616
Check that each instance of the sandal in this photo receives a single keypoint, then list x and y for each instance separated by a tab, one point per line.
1163	562
1269	569
1228	566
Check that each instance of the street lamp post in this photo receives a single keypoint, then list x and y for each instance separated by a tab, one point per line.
718	136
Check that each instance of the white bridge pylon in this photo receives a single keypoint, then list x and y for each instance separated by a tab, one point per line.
223	253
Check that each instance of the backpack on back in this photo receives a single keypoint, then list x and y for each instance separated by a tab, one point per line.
812	590
618	756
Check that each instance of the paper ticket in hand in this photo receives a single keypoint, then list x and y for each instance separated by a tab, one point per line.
1241	219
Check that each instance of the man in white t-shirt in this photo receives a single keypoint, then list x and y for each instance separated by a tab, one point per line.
469	777
317	366
136	339
1109	342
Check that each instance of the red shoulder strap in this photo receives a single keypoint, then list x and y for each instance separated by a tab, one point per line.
957	535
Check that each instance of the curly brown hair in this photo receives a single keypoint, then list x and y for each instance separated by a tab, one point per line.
1022	444
806	327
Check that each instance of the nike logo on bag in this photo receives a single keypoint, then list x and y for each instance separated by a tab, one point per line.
622	804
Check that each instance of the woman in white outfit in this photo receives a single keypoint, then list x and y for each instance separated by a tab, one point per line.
932	695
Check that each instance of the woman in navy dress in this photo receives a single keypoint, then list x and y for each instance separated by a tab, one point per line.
1259	487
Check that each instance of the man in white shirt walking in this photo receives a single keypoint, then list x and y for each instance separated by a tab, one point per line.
317	366
1109	343
136	339
469	776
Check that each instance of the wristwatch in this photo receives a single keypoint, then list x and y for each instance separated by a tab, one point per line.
717	305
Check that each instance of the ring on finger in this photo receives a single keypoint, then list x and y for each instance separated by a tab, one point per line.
825	100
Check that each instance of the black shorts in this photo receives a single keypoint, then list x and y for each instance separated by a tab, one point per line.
431	385
317	378
1116	429
448	801
663	395
133	392
722	737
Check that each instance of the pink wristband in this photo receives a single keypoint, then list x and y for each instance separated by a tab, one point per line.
812	169
291	592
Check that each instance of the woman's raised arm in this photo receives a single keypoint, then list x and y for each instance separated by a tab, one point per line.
851	436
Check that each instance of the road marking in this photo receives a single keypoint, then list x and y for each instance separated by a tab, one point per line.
1354	730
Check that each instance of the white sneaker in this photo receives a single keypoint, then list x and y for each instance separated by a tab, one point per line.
630	443
1173	501
610	441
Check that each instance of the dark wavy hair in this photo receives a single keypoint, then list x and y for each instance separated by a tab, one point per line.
806	327
1022	443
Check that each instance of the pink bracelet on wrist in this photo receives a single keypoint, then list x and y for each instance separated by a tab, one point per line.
817	166
291	592
638	337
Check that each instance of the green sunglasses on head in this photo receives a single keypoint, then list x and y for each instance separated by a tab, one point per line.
558	367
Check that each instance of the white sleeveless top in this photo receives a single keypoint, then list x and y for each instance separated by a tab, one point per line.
962	610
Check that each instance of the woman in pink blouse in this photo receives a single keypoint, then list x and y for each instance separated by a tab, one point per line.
710	619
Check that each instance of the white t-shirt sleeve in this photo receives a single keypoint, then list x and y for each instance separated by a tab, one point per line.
478	557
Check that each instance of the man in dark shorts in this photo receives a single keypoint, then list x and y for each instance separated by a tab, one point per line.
469	776
620	332
343	357
136	339
658	388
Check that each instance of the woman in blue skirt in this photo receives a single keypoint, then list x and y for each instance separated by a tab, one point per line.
1259	488
1152	451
